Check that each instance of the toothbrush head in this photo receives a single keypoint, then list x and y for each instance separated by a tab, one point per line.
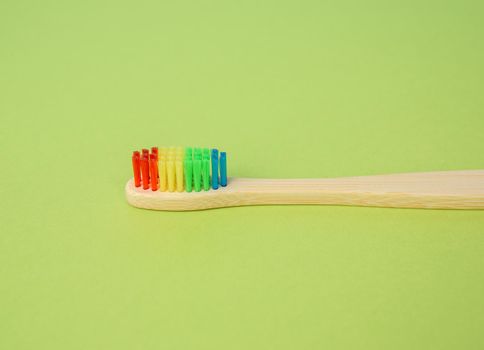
178	169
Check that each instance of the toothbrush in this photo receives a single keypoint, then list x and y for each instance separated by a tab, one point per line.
178	179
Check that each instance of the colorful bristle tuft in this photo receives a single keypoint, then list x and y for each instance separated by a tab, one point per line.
178	169
188	162
223	169
197	174
153	171
145	171
136	168
215	162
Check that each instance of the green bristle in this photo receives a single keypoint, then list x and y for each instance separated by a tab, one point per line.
188	174
188	152
197	154
197	174
206	174
206	153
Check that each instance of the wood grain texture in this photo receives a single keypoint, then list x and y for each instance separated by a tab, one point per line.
434	190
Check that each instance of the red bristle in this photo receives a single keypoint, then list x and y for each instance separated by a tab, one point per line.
154	172
146	153
154	150
136	168
145	171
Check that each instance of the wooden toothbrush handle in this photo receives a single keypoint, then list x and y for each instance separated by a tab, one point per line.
437	190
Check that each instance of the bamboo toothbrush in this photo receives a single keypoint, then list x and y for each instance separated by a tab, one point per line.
180	179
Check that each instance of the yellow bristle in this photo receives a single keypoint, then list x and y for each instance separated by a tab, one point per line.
179	175
170	172
162	174
162	153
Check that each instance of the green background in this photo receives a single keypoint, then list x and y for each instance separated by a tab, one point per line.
288	89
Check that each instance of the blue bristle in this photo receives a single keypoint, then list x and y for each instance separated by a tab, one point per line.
223	169
215	169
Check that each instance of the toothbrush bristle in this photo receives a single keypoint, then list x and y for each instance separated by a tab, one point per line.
215	161
136	168
145	172
223	169
153	172
154	150
178	169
